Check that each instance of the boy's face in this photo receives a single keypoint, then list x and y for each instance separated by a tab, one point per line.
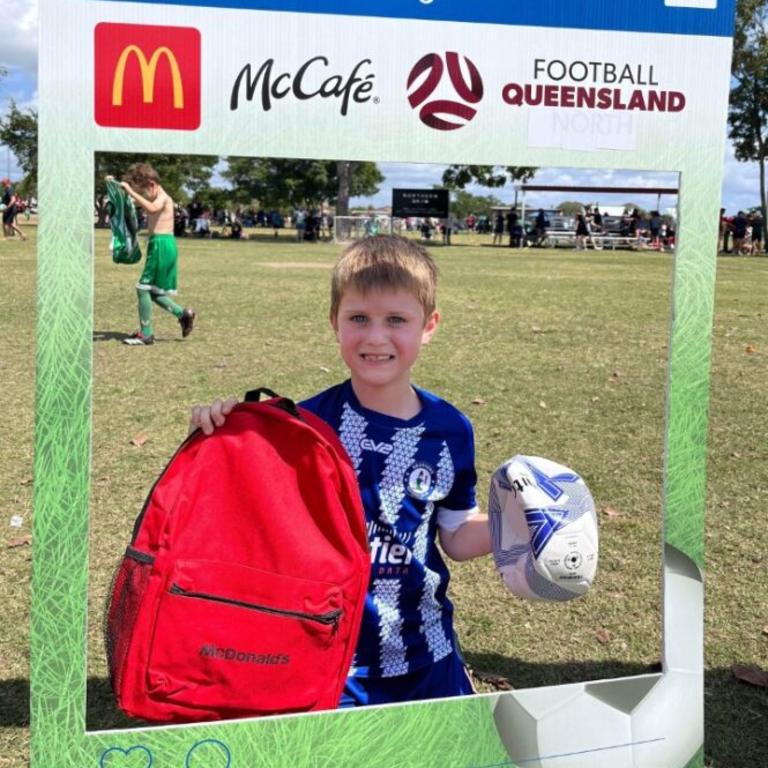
380	334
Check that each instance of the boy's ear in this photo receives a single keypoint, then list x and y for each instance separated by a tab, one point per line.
430	326
334	319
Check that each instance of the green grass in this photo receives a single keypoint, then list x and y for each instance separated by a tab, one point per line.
556	353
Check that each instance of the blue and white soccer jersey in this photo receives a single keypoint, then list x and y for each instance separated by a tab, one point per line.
414	475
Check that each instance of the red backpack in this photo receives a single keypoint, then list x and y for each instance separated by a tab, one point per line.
242	590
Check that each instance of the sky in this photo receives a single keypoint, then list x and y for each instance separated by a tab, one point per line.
18	54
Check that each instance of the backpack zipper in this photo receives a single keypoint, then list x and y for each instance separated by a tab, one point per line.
329	618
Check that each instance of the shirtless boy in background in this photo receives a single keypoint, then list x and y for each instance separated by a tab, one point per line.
159	279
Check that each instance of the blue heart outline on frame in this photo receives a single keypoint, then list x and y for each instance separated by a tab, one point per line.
126	752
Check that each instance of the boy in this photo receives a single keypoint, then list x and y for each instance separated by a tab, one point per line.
414	456
158	280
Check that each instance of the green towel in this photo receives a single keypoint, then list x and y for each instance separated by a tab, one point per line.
125	225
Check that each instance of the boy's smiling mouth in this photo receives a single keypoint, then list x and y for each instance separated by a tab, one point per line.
376	358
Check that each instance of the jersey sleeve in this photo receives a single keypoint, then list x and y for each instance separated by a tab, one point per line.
461	503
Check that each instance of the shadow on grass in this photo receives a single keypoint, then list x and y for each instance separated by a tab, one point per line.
110	336
265	237
735	713
120	336
522	674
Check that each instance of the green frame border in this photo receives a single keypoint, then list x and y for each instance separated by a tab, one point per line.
490	729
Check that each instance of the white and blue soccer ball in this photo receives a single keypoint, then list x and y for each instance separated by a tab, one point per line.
543	529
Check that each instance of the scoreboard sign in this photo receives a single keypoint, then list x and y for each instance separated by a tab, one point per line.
420	202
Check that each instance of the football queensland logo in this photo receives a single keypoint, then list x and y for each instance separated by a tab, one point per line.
147	76
451	109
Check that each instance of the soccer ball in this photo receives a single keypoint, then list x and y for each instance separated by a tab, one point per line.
543	529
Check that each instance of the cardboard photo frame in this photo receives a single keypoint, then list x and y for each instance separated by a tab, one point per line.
455	92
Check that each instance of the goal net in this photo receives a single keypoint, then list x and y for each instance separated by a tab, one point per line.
348	228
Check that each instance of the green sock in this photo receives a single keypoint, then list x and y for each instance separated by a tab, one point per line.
168	305
145	312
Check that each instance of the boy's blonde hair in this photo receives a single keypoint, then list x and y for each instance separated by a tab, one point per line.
385	262
140	175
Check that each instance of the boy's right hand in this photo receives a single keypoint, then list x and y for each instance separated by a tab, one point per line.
208	417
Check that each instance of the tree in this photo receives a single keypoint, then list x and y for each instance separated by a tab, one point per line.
630	207
459	176
344	170
277	183
182	176
355	179
571	207
748	110
215	198
18	131
464	203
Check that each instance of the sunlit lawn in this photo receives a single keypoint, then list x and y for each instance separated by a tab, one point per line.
556	353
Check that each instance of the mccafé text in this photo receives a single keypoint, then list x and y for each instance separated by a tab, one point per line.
309	82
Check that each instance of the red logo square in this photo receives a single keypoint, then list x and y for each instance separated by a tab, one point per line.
147	76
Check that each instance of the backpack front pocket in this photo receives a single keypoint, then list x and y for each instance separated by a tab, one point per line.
244	641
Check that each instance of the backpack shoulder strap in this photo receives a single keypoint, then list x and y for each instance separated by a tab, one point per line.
284	403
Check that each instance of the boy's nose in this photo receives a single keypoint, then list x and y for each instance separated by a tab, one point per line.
377	333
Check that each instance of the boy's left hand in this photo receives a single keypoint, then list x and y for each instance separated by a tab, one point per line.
208	417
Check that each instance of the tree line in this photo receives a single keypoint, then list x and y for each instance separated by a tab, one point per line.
287	183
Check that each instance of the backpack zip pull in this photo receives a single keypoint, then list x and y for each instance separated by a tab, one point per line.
329	618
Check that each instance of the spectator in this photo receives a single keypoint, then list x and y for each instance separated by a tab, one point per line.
276	220
448	225
326	225
514	238
757	232
300	219
203	224
597	220
195	210
725	231
10	211
311	227
236	231
540	228
654	225
372	225
582	231
180	220
498	228
739	227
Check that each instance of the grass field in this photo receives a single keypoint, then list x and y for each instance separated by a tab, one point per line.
557	353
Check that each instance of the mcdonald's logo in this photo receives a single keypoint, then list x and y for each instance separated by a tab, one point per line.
147	76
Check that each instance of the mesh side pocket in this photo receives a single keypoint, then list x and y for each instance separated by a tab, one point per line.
128	588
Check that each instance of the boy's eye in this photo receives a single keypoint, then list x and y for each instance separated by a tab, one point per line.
357	318
396	320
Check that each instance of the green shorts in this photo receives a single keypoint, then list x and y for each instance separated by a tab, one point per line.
159	275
